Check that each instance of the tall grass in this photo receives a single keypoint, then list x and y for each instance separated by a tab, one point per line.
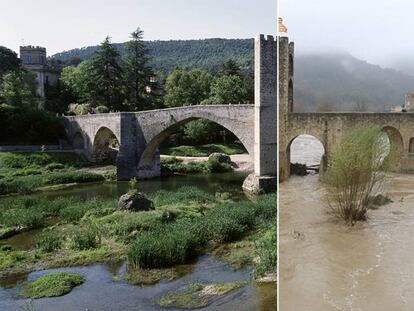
24	172
176	243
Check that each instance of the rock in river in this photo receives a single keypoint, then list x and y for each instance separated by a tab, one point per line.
135	202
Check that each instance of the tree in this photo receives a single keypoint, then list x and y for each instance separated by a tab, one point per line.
18	88
228	90
58	97
138	73
230	68
356	173
79	81
187	87
107	79
8	61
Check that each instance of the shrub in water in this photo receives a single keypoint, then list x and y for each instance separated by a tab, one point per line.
357	172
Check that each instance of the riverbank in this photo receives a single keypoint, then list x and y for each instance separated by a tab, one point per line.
239	162
84	231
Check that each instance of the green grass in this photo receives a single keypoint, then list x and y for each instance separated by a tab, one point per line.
204	150
25	172
176	243
28	212
49	241
266	250
53	285
184	223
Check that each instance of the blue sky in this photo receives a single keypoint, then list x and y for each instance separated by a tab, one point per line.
63	25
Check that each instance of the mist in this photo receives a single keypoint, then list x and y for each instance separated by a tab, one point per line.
379	32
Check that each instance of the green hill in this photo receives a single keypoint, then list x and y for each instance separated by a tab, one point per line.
167	55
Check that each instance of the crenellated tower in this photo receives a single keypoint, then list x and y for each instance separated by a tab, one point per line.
286	75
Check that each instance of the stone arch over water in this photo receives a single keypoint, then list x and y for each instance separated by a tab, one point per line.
150	155
306	149
396	145
105	145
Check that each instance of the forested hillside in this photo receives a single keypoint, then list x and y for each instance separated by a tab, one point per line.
209	54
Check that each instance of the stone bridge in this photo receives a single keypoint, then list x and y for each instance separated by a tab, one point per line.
328	128
138	134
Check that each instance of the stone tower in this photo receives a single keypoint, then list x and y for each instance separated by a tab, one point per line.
264	177
34	59
286	74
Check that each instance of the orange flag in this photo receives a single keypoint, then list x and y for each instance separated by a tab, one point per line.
282	27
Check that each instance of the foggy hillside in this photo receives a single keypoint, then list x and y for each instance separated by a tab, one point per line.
339	81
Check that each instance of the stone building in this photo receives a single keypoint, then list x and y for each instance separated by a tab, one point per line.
34	59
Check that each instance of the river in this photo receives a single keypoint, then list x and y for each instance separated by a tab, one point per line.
327	265
104	291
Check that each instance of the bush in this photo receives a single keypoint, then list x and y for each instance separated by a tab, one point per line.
29	126
357	172
72	177
49	241
214	165
54	166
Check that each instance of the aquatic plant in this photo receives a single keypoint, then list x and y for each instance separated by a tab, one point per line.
197	295
176	243
53	285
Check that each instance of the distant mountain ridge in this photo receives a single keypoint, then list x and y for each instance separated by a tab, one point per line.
324	81
168	55
348	83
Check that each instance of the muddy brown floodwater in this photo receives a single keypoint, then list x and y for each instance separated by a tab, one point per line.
327	265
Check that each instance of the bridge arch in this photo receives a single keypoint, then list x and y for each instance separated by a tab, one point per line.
105	145
78	140
149	156
312	149
411	145
396	145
